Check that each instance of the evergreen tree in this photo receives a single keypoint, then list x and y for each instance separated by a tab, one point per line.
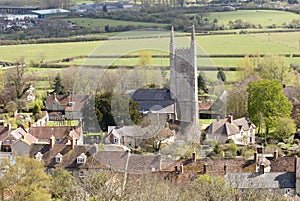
202	87
58	87
221	75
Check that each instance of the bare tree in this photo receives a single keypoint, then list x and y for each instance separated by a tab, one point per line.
16	76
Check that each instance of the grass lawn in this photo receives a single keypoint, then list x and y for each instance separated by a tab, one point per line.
100	23
262	17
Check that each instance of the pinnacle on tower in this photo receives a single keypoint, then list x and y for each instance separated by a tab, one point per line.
193	36
172	35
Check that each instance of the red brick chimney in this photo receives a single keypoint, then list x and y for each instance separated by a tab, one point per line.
225	168
52	141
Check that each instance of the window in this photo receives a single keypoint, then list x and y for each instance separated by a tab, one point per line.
39	156
81	159
58	158
287	191
7	141
116	140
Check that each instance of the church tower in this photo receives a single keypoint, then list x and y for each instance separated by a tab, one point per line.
183	79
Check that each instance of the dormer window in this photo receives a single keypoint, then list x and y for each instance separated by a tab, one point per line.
71	103
39	156
58	158
81	159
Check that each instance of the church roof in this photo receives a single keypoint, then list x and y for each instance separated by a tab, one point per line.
151	94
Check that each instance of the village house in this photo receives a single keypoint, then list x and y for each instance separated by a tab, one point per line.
65	107
9	137
241	131
277	174
136	136
80	158
61	134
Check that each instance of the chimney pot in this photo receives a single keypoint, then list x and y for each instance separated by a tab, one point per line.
54	95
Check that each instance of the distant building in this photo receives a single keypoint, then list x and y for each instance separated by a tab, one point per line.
51	13
65	107
241	131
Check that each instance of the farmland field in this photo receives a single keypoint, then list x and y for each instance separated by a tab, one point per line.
262	17
279	43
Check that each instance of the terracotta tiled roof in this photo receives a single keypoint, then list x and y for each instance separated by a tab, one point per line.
59	132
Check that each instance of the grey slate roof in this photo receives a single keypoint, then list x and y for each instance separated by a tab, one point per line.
270	180
155	100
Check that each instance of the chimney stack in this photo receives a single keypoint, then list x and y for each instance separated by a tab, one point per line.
194	156
204	168
181	168
73	142
259	150
52	141
261	169
255	157
225	168
176	169
230	118
54	95
29	124
48	93
275	155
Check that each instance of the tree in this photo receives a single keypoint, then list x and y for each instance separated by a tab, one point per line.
275	67
267	102
25	180
246	67
237	99
59	89
221	75
16	76
202	87
110	108
36	111
104	185
145	59
285	127
64	186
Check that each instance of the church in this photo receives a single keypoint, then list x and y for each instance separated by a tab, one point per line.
180	101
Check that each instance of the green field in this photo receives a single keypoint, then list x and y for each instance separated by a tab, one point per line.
262	17
100	23
279	43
